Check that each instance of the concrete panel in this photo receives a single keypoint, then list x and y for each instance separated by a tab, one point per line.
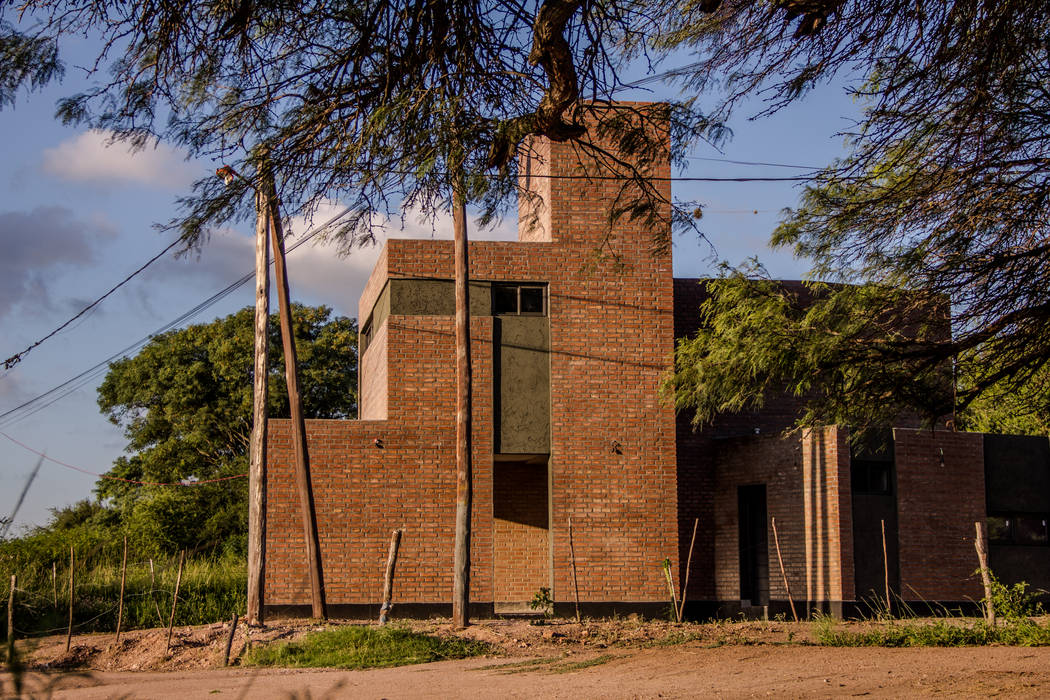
523	385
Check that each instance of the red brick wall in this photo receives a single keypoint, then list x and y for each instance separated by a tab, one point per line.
521	537
807	491
937	507
372	396
611	329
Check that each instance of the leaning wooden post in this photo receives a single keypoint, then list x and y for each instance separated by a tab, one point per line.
388	579
886	569
174	600
123	577
464	383
11	622
575	584
229	641
69	630
295	402
783	573
688	564
981	543
670	587
260	395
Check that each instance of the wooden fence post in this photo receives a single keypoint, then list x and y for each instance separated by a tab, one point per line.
69	631
688	564
123	578
11	623
575	583
981	543
388	580
886	569
174	600
229	641
783	573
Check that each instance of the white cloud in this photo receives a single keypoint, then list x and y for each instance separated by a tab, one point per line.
92	157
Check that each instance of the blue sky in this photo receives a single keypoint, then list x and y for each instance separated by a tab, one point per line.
77	216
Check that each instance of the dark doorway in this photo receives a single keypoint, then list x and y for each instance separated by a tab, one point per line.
873	479
754	545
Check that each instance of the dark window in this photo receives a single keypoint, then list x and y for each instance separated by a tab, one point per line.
1014	528
366	336
872	477
519	300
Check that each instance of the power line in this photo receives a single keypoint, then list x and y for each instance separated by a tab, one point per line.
199	482
17	357
69	386
752	162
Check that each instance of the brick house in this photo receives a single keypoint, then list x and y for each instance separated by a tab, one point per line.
568	353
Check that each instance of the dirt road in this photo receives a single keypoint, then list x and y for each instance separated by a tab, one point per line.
688	670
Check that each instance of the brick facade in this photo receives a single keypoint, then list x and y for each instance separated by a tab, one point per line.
631	476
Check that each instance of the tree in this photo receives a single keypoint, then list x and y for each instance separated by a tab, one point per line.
945	195
185	404
383	105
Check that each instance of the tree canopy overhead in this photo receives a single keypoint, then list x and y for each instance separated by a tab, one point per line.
945	193
381	105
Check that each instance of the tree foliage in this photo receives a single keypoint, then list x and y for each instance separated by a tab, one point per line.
381	105
945	192
185	405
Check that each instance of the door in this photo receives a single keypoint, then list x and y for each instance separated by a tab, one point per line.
754	545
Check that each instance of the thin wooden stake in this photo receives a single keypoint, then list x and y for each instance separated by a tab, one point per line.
575	584
69	630
688	564
152	584
174	600
464	384
670	587
11	622
123	577
783	573
981	543
260	390
229	641
295	403
886	569
388	579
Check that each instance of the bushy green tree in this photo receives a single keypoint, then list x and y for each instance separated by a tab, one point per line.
185	405
945	193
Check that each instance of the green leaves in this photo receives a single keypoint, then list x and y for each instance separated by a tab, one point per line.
185	404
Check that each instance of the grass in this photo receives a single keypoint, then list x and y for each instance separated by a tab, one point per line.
357	647
937	633
212	589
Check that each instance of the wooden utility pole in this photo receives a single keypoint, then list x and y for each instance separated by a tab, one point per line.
464	382
981	544
260	394
302	457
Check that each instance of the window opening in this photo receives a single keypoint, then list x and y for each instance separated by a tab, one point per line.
519	299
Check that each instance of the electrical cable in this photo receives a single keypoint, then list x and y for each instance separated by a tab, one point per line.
65	388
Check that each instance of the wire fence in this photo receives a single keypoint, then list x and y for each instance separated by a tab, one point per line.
211	590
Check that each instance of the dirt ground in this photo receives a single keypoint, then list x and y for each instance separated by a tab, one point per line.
603	659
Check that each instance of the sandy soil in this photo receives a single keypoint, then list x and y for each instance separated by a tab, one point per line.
614	659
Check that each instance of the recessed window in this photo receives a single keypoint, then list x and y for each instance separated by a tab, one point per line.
1026	529
872	477
366	336
519	300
